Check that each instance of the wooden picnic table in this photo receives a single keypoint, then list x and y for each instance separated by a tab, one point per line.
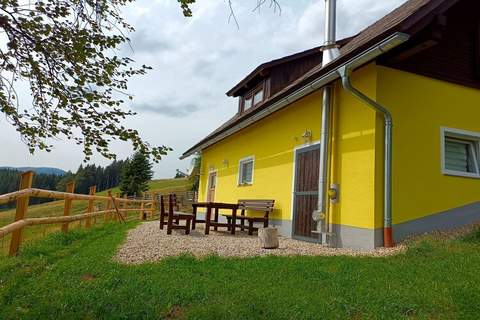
215	207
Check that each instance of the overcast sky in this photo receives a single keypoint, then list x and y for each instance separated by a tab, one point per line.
195	61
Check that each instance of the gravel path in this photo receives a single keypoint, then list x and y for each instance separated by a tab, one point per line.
148	243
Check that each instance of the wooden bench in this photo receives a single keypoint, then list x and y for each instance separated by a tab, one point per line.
265	206
173	217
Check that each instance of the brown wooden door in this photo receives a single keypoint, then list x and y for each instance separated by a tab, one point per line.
212	183
306	192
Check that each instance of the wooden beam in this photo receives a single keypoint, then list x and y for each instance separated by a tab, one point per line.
477	51
21	212
413	51
108	207
91	192
68	205
40	193
18	225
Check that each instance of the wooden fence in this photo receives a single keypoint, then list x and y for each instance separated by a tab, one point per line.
116	209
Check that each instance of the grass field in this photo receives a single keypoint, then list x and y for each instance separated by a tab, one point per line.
73	276
55	208
162	185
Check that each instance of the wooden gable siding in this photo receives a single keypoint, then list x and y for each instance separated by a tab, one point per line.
448	50
283	75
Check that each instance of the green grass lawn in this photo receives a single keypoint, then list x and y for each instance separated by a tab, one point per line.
74	276
55	208
161	185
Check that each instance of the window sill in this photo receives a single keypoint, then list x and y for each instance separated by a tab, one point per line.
460	174
244	184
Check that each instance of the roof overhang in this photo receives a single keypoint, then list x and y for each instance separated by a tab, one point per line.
317	83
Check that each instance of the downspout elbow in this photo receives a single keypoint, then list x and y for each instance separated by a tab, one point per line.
347	85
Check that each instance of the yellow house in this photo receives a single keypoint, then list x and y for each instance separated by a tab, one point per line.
363	139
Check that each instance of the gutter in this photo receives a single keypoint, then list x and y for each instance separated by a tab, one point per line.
366	56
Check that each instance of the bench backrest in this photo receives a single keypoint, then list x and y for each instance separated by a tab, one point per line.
265	206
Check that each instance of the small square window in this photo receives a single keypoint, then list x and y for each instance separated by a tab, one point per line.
258	97
247	103
460	152
245	172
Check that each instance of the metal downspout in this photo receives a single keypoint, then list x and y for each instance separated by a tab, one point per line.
323	167
345	72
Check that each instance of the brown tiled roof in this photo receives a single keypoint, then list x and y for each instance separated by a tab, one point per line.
402	19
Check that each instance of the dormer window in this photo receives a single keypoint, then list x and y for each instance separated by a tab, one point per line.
258	97
254	97
247	104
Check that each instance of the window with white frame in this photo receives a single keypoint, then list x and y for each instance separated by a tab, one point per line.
245	171
460	152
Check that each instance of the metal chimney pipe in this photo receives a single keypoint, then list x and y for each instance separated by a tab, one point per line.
330	49
330	21
330	53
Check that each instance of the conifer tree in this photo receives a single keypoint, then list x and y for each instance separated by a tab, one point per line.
136	175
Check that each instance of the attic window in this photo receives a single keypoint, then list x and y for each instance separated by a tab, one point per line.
254	97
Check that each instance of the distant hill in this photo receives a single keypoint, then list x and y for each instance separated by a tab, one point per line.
39	170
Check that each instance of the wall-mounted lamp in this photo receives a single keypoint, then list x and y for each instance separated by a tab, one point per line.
307	136
225	162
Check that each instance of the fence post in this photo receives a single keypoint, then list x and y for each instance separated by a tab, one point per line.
108	207
156	203
118	205
22	208
125	206
91	192
68	205
142	212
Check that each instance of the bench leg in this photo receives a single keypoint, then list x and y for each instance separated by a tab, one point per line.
250	227
234	221
265	223
187	230
162	220
216	219
229	222
169	225
194	220
207	220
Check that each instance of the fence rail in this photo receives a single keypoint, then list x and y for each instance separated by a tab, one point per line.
115	207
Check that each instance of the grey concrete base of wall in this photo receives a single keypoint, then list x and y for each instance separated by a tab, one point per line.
446	220
356	238
366	239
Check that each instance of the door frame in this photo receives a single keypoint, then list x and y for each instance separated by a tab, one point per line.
300	149
208	183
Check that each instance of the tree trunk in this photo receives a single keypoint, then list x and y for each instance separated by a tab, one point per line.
268	238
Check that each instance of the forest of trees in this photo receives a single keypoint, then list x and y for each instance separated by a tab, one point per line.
85	177
93	175
10	179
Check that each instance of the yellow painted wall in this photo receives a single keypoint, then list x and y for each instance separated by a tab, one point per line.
420	106
354	153
272	142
